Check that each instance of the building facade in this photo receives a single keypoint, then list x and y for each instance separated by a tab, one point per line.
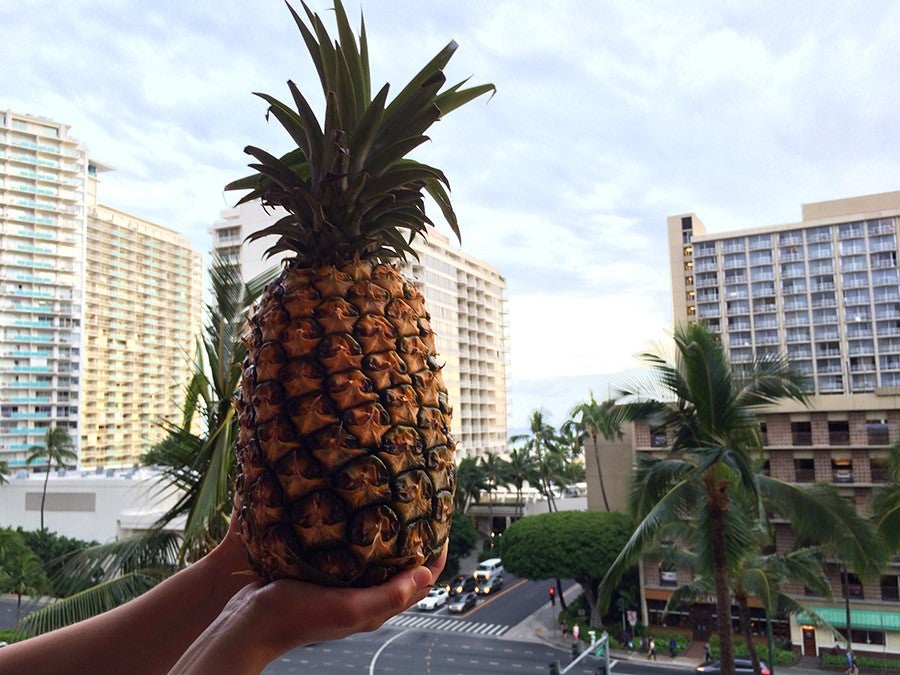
43	185
467	302
825	292
98	309
142	311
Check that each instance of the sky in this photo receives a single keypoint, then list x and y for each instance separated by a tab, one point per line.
608	117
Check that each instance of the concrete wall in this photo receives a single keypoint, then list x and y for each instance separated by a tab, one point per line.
93	507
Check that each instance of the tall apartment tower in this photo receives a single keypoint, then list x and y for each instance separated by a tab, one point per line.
824	291
43	183
467	301
142	312
98	309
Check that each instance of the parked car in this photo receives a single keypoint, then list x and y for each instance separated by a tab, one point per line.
437	597
488	586
488	569
462	602
462	583
741	665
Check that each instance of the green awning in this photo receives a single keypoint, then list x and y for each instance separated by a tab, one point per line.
870	619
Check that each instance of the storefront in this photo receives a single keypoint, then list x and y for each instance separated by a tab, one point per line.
872	631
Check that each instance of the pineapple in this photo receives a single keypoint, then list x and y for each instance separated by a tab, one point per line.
345	459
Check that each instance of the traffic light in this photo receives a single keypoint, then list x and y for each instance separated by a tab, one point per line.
554	668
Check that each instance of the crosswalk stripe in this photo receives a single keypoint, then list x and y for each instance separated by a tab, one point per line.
443	624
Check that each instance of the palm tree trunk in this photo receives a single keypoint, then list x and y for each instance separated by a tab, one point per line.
720	572
44	495
744	612
491	516
559	594
600	472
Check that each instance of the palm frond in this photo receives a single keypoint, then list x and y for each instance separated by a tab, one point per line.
90	602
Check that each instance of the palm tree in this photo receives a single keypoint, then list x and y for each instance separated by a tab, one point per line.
751	573
57	448
709	407
196	458
886	502
4	471
541	443
521	467
592	420
494	470
470	482
21	572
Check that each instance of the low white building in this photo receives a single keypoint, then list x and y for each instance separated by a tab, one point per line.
96	505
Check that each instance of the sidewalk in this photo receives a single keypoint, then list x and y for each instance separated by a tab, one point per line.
541	627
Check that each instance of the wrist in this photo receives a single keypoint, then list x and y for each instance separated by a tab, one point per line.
227	566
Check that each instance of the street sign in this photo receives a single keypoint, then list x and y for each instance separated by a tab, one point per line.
632	617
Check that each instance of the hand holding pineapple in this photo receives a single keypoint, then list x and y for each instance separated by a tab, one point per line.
214	617
264	620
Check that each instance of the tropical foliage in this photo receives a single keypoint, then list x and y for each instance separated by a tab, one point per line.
57	448
196	461
590	420
708	407
21	573
579	545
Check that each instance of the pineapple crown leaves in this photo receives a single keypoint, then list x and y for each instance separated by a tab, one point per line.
348	186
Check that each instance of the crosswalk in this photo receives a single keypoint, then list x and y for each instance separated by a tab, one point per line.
438	623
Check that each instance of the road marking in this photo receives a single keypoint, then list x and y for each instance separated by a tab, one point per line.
381	649
440	625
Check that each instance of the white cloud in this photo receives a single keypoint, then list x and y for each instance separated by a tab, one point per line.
609	116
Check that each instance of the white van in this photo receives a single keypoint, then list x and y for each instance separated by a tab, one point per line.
488	569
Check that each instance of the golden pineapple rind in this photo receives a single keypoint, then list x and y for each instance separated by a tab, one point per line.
345	458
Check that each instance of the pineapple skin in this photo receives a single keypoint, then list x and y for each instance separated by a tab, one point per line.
346	466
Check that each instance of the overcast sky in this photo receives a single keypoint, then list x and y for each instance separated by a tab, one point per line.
608	118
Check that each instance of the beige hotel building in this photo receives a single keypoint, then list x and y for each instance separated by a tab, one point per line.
98	308
825	291
467	301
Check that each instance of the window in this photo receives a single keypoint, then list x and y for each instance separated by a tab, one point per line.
801	433
839	432
657	438
842	470
878	469
764	436
867	637
890	588
668	577
804	471
852	586
877	432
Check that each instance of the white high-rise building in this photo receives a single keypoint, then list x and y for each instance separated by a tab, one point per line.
43	182
467	302
98	308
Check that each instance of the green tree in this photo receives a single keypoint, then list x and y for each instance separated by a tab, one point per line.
520	468
593	420
58	448
578	545
709	408
463	536
196	458
54	550
886	502
751	573
4	471
20	569
542	443
470	482
495	470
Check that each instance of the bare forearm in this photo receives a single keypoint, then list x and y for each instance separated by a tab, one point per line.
146	635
